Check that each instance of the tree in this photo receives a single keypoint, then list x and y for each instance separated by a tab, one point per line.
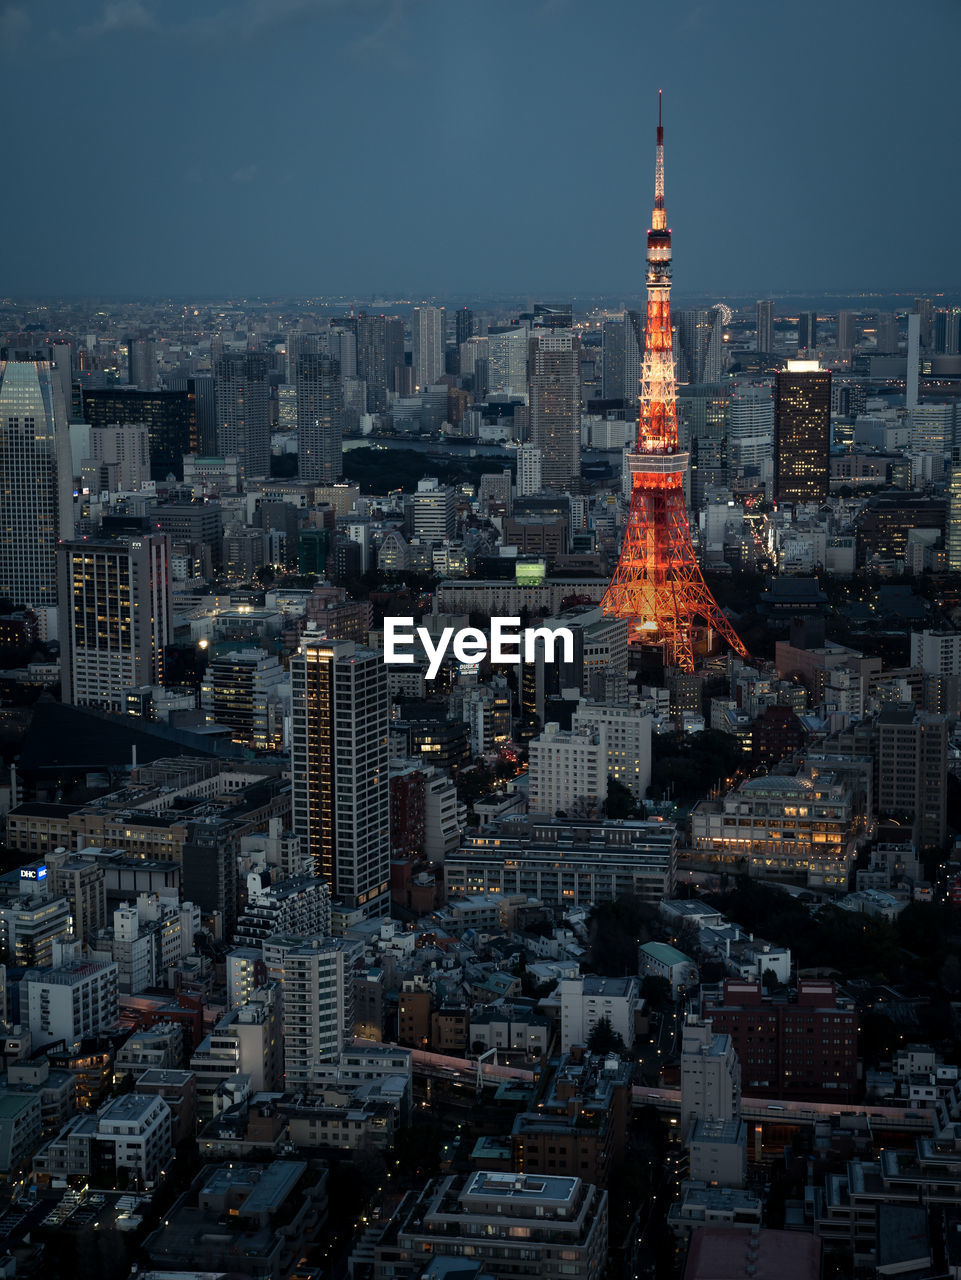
620	802
770	980
604	1039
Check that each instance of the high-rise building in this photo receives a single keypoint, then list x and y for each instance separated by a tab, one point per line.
710	1075
142	363
171	418
952	531
750	426
243	689
301	344
621	344
463	325
765	325
380	350
947	331
507	361
434	511
36	480
119	458
886	331
320	409
802	432
555	405
911	767
847	331
115	617
340	805
528	470
700	345
243	410
317	986
924	308
807	331
427	326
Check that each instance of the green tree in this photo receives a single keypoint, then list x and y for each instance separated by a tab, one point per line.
770	979
604	1039
620	802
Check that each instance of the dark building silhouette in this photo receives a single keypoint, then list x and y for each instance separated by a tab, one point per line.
802	433
170	417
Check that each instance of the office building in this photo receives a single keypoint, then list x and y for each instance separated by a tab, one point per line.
434	510
529	471
318	1000
118	459
142	363
71	1002
804	1048
750	426
779	825
171	418
710	1075
115	618
463	325
245	689
243	414
380	351
911	756
765	326
507	360
513	1224
29	925
807	331
555	430
428	337
700	345
802	432
131	1137
588	1000
36	480
246	1041
296	907
847	331
340	801
621	344
320	411
570	862
947	331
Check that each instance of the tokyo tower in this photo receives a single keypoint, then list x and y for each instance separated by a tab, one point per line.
658	586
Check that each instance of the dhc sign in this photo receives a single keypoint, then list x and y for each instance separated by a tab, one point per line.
33	873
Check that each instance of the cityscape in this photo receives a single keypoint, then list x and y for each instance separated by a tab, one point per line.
480	793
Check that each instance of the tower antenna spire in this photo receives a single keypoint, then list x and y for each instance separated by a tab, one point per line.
658	587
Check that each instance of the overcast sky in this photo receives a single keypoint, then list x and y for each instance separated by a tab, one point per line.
433	147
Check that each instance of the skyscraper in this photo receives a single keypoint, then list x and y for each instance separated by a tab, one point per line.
947	331
750	426
463	325
427	326
700	339
846	330
171	418
320	413
621	343
765	325
507	360
340	802
380	349
807	331
142	363
243	414
924	308
555	405
36	480
115	617
802	432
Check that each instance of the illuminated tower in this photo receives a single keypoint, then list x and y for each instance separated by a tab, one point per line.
658	584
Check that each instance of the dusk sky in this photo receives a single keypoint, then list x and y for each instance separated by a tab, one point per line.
435	147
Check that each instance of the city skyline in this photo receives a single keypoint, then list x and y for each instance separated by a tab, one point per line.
417	133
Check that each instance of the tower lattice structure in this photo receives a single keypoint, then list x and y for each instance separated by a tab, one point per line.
658	585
